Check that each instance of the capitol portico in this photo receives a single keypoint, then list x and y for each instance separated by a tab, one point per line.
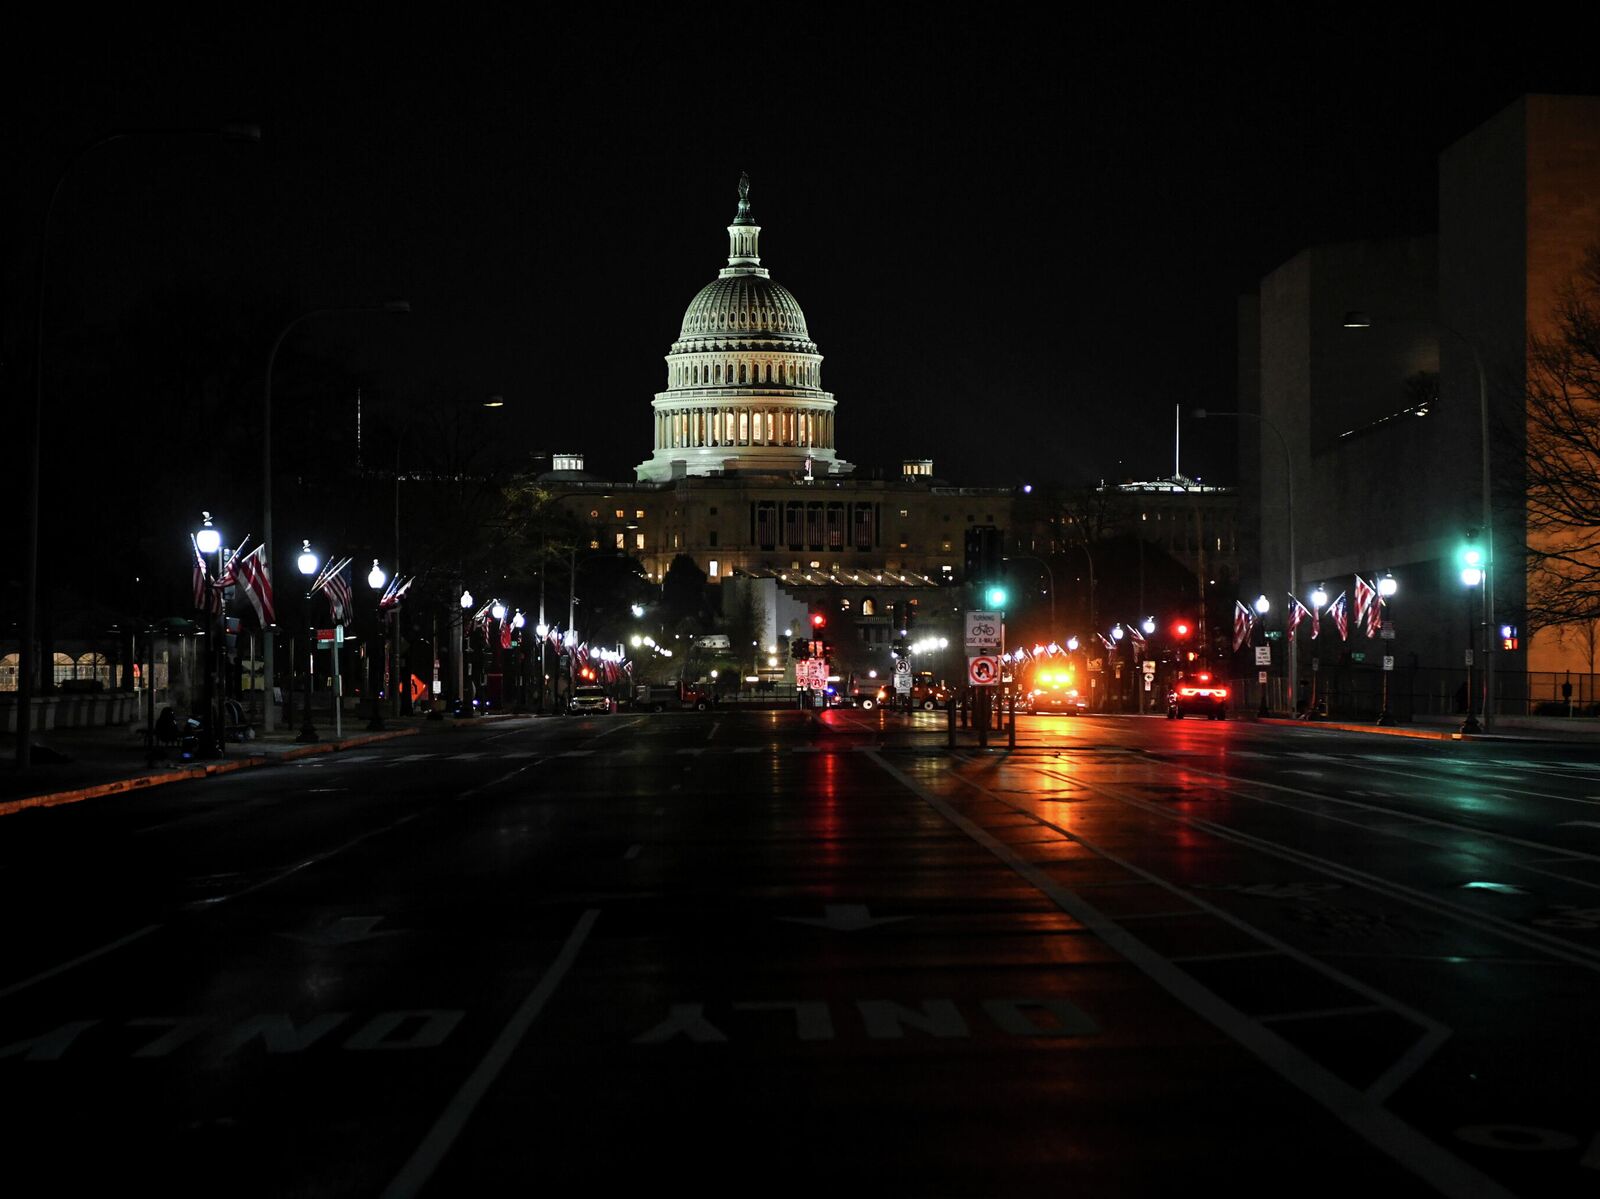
744	379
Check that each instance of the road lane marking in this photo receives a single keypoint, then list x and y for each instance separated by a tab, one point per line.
109	947
414	1175
748	749
1361	1111
1557	947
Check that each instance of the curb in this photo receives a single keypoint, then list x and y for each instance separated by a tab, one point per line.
1377	729
144	781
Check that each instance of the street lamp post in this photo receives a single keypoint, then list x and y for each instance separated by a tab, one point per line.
209	542
462	707
1472	575
518	622
27	652
1360	320
1263	605
375	652
1319	601
269	716
1293	655
306	563
1387	586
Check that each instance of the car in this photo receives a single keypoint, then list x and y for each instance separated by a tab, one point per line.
929	696
1198	693
867	698
671	697
594	700
1054	697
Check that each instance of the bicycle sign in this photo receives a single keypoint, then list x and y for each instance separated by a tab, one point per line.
983	670
983	630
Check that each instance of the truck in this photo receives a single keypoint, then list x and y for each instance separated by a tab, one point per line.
671	697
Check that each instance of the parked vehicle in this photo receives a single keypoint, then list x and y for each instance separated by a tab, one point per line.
671	697
592	700
929	696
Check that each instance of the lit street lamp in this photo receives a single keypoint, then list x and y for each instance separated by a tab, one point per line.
375	652
1387	586
1319	601
518	621
1472	575
1263	605
208	540
463	708
307	565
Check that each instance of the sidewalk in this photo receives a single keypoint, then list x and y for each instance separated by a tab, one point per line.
105	761
1577	729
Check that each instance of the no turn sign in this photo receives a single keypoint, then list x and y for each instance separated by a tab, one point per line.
983	670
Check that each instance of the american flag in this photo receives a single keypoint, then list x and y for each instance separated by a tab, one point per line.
1296	611
1135	635
1241	625
1365	594
205	599
257	585
230	572
393	592
505	633
1341	616
1375	616
335	581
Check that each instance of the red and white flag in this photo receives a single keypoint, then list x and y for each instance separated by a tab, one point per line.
1341	616
505	634
1242	619
335	583
1365	595
257	585
1297	610
1375	617
205	599
392	593
1135	635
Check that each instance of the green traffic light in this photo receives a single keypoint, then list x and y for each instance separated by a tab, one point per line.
996	597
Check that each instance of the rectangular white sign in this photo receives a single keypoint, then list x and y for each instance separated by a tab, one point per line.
983	630
1263	655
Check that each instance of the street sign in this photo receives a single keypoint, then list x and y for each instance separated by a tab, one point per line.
902	677
983	670
1261	677
1386	632
1149	668
1388	661
327	637
983	630
1263	655
1357	656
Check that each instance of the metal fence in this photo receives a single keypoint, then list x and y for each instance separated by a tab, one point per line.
1355	692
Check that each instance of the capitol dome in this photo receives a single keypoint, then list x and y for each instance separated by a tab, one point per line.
744	379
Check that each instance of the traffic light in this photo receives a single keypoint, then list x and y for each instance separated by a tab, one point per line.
818	620
1181	629
995	596
1470	561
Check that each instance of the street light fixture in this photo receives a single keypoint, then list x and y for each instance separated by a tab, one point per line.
307	563
1262	606
208	540
375	654
1319	601
1473	575
1387	586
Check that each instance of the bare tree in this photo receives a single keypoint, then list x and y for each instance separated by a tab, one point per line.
1563	455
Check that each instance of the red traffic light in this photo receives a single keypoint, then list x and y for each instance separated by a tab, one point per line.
1180	628
818	620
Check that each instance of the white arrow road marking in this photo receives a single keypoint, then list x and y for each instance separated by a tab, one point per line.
844	918
342	931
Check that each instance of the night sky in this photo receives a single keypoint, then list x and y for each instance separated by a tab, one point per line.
1018	244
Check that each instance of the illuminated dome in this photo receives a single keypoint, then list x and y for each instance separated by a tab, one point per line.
744	379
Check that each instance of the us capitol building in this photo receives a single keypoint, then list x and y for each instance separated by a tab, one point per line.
746	480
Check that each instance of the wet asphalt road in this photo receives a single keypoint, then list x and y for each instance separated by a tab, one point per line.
754	952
